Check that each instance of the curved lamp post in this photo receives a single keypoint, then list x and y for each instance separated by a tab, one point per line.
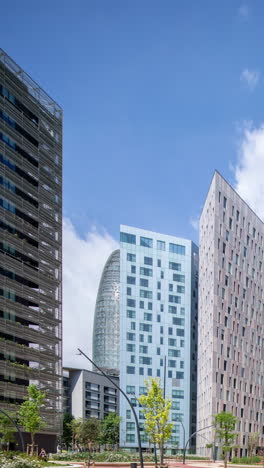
193	434
129	402
16	426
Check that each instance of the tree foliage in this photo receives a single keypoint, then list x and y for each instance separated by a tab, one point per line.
156	410
110	429
7	430
29	414
225	426
89	432
253	440
67	431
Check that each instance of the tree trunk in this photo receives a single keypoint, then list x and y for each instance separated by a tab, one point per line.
32	443
155	455
161	453
225	460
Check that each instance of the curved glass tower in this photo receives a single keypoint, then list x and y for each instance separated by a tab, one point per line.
106	319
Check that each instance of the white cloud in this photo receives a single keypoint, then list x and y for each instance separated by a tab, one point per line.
195	222
250	168
83	262
243	11
250	78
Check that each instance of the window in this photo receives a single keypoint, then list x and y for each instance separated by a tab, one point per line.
131	280
174	352
131	336
143	349
181	289
171	342
146	242
158	284
129	292
144	282
158	263
131	302
175	266
148	261
170	287
131	257
178	278
128	238
224	202
145	360
172	309
149	339
133	268
142	391
131	348
146	294
130	438
175	405
128	414
171	363
130	426
145	327
175	299
179	375
161	245
145	271
141	304
177	249
130	370
180	332
158	296
131	314
131	389
141	371
149	305
178	321
147	316
133	325
150	372
178	394
170	331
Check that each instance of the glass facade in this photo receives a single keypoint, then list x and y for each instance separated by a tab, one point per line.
158	323
107	316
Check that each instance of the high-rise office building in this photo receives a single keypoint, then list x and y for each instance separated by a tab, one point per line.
231	308
30	245
158	321
107	317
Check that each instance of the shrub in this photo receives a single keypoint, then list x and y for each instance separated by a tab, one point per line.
246	460
19	462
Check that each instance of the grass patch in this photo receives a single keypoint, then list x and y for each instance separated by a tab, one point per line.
246	460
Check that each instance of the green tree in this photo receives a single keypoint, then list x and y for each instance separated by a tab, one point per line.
67	431
29	414
156	410
253	440
225	426
89	433
6	430
110	429
75	427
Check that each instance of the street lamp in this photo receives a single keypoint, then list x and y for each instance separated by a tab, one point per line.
128	400
18	430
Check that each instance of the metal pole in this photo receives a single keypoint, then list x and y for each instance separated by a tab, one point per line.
18	430
193	434
164	377
129	402
183	432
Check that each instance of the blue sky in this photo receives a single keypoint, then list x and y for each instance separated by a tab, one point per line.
152	97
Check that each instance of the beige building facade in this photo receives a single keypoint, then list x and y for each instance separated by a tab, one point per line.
231	312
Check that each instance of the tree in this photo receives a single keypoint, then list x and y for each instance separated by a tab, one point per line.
29	414
75	427
7	431
156	410
89	434
225	425
253	440
110	429
67	431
